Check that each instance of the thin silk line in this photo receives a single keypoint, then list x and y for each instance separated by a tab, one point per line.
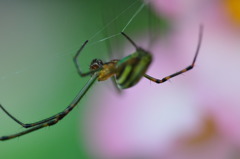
114	19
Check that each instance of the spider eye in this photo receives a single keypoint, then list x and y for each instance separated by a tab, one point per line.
95	64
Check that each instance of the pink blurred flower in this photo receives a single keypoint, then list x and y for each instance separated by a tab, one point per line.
194	116
219	13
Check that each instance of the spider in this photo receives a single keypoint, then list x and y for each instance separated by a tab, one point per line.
127	71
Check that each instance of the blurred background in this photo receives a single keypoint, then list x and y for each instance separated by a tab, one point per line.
195	115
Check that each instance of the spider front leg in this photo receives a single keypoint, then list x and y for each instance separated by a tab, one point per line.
49	123
185	69
53	119
16	120
75	60
58	115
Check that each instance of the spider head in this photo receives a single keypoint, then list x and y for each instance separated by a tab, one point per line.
95	64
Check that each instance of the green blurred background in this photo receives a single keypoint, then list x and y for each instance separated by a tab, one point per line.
38	40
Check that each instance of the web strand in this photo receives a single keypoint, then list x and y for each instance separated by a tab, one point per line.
114	19
118	16
109	37
135	14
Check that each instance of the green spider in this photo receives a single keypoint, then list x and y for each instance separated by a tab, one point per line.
127	71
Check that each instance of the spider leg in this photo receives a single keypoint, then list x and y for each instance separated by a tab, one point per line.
118	90
185	69
130	40
53	119
32	124
15	119
77	63
49	123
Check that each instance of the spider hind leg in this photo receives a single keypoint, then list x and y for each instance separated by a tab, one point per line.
188	68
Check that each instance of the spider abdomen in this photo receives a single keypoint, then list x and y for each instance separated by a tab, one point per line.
131	68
